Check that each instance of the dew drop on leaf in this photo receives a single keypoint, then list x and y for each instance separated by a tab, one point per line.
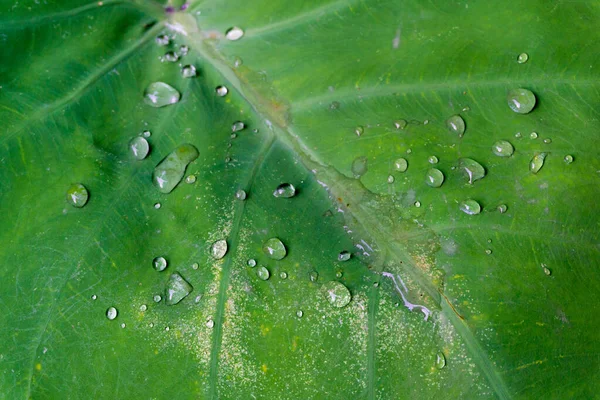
344	256
359	130
159	263
299	313
169	172
77	195
521	100
146	134
190	179
221	90
251	263
162	40
390	179
176	289
522	58
240	195
433	160
111	313
139	147
359	166
547	141
503	148
263	273
533	135
210	323
170	56
400	124
157	205
313	276
285	190
417	204
283	275
401	165
502	208
160	94
537	162
234	33
568	159
157	298
440	360
275	249
237	126
434	178
338	274
470	207
219	249
336	293
143	307
472	169
456	125
188	71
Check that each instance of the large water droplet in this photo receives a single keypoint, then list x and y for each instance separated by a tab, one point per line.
160	94
472	169
159	263
221	90
139	147
263	273
521	100
234	33
111	313
274	248
336	293
401	165
359	166
440	360
522	58
219	249
285	190
434	177
188	71
537	162
503	148
470	207
177	289
456	125
77	195
169	172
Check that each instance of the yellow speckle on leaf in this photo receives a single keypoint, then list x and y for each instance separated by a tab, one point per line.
264	330
38	366
264	368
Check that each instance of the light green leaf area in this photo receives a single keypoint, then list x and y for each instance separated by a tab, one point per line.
443	304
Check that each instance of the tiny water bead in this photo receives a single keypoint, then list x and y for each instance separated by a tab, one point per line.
123	325
390	179
177	289
143	307
401	165
283	275
237	126
546	270
518	135
274	248
417	204
190	179
77	195
219	249
456	125
160	94
432	160
336	293
313	276
299	313
547	141
472	169
159	263
188	71
488	251
400	124
183	50
568	159
344	256
334	105
139	147
440	360
234	33
470	207
285	190
111	313
434	178
221	91
521	100
162	40
251	263
533	135
157	205
210	323
338	274
170	57
537	162
146	134
359	130
503	148
169	172
502	208
263	273
522	58
157	298
240	195
359	166
94	297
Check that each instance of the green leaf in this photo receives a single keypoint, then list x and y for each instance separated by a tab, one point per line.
499	304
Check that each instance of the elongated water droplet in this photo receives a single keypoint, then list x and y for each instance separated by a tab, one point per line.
537	162
285	190
359	166
470	207
568	159
188	71
169	172
440	360
274	248
503	148
159	263
434	178
546	270
502	208
139	147
336	293
472	169
401	165
234	33
177	289
162	40
221	91
111	313
521	100
263	273
160	94
359	130
170	56
313	276
219	249
237	126
240	195
456	125
522	58
252	263
344	256
433	160
77	195
400	124
547	141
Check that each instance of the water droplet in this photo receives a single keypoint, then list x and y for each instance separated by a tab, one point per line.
285	190
472	169
188	71
237	62
146	134
198	298
234	33
111	313
237	126
183	50
537	162
417	204
434	178
195	266
533	135
162	40
502	208
157	298
240	195
263	273
283	275
274	248
359	166
169	172
359	130
502	148
518	135
334	105
390	179
139	147
221	91
522	58
568	159
252	263
190	179
77	195
488	251
210	323
338	274
151	325
408	151
401	165
336	293
219	249
170	56
456	125
299	313
159	263
94	297
470	207
159	94
143	307
546	269
157	205
521	100
344	256
313	276
167	328
433	160
123	325
440	360
176	289
547	141
400	124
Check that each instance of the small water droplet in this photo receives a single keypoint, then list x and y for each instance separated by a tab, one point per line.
139	147
390	179
359	166
400	124
94	297
234	33
77	195
518	135
159	263
521	100
146	134
502	208
433	160
359	130
162	40
169	172
338	274
143	307
568	159
237	126
336	293
546	269
472	169
470	207
488	251
547	141
285	190
299	313
401	165
176	289
408	151
440	360
170	56
221	91
283	275
503	148
537	162
183	50
151	325
417	204
334	105
456	125
198	298
111	313
123	325
219	249
466	108
434	178
263	273
190	179
274	248
313	276
188	71
344	256
210	323
167	328
157	298
252	263
237	62
195	266
522	58
240	195
157	205
160	94
533	135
